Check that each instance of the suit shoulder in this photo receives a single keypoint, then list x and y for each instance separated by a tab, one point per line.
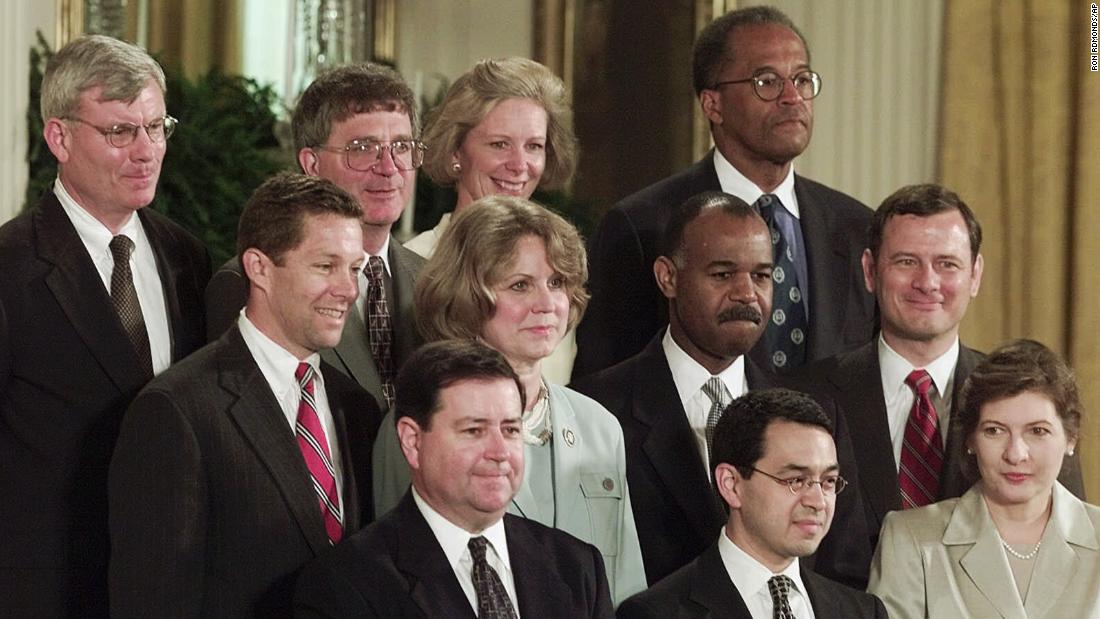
669	591
837	200
559	542
406	256
862	603
928	521
669	191
172	231
588	410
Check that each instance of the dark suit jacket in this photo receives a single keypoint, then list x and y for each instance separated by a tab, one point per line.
627	308
212	508
676	510
67	373
703	589
396	568
854	380
228	292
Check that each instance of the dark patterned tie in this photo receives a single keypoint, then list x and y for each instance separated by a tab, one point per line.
492	598
785	335
314	447
922	447
719	399
379	327
125	299
780	589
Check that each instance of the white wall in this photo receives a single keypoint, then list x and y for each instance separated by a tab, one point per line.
19	19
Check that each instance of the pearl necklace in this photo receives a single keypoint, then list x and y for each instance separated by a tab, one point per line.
1023	557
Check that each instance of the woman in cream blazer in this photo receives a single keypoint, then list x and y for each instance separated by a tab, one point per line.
1017	545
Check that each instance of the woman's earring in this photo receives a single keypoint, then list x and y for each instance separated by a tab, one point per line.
969	451
457	167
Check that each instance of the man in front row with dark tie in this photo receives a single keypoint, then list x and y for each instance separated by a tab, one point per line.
775	467
234	468
449	549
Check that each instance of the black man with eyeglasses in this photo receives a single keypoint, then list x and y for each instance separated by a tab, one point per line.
97	295
776	471
356	126
755	85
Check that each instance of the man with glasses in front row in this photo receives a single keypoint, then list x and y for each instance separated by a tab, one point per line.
356	126
755	85
775	468
97	294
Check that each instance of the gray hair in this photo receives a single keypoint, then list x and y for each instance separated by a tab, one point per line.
121	69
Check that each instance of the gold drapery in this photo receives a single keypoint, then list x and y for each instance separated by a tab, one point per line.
1020	142
197	35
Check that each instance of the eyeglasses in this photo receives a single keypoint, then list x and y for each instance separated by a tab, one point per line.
124	134
363	155
830	485
768	85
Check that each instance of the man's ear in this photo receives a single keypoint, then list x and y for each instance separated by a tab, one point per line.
711	103
408	435
307	158
868	262
257	268
664	271
58	138
728	481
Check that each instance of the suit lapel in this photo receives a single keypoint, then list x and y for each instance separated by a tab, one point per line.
78	288
353	353
669	444
859	383
827	263
1069	533
169	272
953	482
822	600
350	506
433	585
567	467
540	591
712	589
405	265
983	562
261	421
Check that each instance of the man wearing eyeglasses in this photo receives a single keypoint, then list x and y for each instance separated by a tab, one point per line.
752	74
775	468
356	126
97	294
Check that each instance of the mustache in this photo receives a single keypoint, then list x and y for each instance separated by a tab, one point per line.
741	312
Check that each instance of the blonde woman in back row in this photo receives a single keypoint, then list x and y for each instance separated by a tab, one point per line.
1017	544
504	127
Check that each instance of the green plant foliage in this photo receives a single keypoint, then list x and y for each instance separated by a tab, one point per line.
223	148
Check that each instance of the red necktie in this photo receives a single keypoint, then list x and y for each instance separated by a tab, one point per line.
311	440
922	447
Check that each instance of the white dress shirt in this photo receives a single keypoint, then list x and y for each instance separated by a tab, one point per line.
143	266
899	396
454	540
689	377
751	579
278	367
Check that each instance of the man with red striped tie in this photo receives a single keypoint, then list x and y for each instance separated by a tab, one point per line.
251	457
900	390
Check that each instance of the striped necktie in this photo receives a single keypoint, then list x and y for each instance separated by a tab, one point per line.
314	446
922	447
719	399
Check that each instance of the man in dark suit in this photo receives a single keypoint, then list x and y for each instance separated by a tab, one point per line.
753	79
776	470
716	273
923	266
237	466
356	126
80	334
449	549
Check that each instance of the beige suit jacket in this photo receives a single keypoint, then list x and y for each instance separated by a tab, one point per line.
946	560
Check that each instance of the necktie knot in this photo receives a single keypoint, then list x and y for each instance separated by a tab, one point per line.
716	391
920	381
765	205
375	268
121	248
780	589
477	547
304	373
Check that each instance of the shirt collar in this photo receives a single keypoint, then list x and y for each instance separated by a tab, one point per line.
95	236
276	363
690	376
895	368
735	183
749	575
454	539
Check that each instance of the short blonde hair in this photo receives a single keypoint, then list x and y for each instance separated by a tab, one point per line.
454	293
121	69
473	95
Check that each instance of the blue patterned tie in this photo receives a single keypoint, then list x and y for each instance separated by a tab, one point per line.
785	335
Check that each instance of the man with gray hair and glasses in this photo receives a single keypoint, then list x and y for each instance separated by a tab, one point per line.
97	294
755	85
